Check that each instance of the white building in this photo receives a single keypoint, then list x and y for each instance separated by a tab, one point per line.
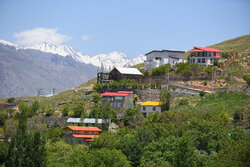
157	58
150	107
204	56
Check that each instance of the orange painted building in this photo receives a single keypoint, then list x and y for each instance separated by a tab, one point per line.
80	135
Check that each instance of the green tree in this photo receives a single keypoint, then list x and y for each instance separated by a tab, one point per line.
165	98
95	112
236	155
208	135
160	152
130	147
3	152
131	117
3	117
59	153
223	115
26	149
34	108
106	140
107	113
184	154
65	110
78	111
96	98
55	134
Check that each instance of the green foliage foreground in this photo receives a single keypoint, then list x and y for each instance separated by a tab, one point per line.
179	137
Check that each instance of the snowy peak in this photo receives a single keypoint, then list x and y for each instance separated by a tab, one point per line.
108	61
7	43
52	48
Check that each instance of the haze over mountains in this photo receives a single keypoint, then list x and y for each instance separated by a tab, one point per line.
24	69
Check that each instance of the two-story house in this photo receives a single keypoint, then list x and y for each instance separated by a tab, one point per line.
118	99
80	134
157	58
203	56
150	107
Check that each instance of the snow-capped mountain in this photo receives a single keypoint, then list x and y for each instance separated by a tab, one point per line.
7	43
108	61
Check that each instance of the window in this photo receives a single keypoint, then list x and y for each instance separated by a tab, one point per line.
214	53
144	108
209	54
199	60
119	105
118	98
193	60
154	108
203	60
157	58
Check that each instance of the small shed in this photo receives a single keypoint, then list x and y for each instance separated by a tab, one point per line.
125	73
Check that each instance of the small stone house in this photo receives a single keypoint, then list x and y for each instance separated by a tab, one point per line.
80	135
150	107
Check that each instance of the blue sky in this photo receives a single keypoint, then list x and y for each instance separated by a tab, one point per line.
133	27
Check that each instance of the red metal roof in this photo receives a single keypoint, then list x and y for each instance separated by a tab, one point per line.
126	92
82	128
120	93
85	136
88	139
197	48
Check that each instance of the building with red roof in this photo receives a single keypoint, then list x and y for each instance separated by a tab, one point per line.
204	55
80	134
120	99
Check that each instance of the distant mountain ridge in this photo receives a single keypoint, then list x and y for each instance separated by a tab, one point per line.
108	61
23	71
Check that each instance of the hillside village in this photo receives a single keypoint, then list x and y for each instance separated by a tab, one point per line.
196	100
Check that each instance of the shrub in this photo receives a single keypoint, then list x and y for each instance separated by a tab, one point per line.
49	112
146	73
246	77
173	87
183	102
10	100
3	117
65	111
202	93
215	62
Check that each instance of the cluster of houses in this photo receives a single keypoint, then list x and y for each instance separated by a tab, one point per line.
82	131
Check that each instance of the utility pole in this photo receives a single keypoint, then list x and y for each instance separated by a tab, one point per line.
39	92
54	90
168	78
212	80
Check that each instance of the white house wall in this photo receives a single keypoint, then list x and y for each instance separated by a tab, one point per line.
151	62
149	109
